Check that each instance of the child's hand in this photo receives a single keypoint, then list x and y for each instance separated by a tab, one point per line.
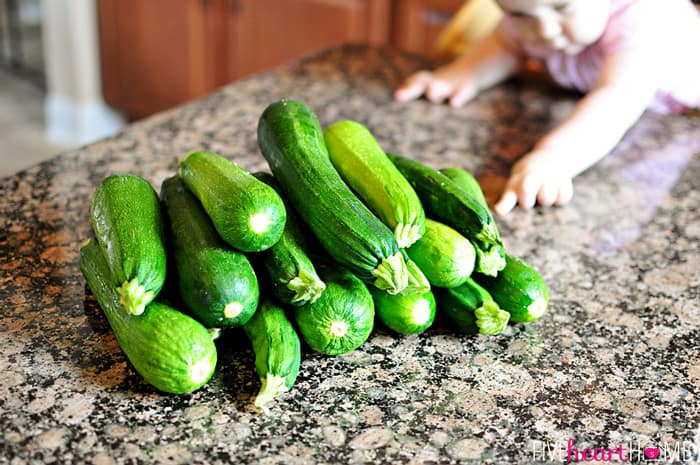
453	83
485	64
539	177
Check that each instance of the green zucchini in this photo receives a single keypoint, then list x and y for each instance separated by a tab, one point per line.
128	225
215	281
444	201
364	166
247	213
405	314
291	140
519	289
277	351
169	349
466	181
471	308
287	264
342	319
444	255
490	259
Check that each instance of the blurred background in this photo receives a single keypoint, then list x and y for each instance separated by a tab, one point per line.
74	71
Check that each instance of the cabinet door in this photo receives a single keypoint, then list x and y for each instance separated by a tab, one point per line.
418	23
155	53
266	33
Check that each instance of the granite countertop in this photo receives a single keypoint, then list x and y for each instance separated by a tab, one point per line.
614	364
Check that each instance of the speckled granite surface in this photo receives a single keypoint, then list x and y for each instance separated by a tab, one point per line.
615	363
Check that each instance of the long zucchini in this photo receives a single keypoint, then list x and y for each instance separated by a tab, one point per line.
216	281
472	309
444	201
444	255
467	182
247	213
287	264
364	166
519	289
405	314
169	349
342	319
291	140
277	351
128	225
490	259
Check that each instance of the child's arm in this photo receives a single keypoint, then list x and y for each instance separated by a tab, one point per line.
626	85
484	65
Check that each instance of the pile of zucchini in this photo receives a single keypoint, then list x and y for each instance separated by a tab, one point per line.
339	235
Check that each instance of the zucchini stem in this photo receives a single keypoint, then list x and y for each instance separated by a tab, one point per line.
407	234
307	287
134	296
490	318
490	235
417	282
490	261
272	386
391	274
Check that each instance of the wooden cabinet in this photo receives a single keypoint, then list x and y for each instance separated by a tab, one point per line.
155	54
159	53
418	23
260	34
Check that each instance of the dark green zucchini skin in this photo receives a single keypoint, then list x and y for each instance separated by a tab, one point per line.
445	201
465	180
490	259
277	350
216	281
248	214
128	225
291	140
342	319
519	289
405	314
362	163
444	255
471	309
287	265
169	349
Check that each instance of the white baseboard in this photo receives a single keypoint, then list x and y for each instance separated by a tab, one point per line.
73	123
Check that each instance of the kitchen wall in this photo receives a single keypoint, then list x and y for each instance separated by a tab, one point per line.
75	110
50	81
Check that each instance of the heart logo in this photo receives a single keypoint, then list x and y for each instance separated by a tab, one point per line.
651	452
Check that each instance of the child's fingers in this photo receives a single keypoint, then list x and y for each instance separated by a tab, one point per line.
525	189
566	192
548	193
529	188
507	202
520	189
465	92
438	90
414	86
